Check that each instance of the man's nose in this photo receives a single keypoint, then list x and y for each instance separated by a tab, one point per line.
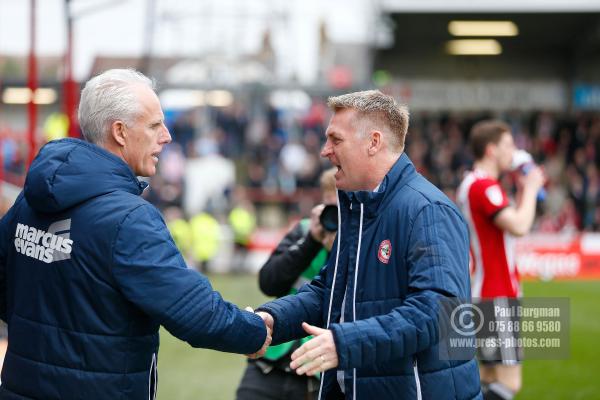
326	150
167	135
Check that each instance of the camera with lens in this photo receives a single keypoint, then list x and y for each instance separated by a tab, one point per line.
329	218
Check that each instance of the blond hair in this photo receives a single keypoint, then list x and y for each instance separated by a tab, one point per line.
378	109
327	181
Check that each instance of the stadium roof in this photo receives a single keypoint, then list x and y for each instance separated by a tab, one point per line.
467	6
561	46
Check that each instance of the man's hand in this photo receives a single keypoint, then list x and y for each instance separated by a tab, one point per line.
317	355
268	320
535	179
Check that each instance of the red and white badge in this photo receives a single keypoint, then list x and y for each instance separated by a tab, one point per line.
385	251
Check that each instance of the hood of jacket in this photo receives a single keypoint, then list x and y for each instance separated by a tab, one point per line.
67	172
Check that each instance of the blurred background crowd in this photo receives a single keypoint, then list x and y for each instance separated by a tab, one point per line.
276	153
244	87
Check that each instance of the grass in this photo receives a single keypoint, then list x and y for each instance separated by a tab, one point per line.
577	376
187	373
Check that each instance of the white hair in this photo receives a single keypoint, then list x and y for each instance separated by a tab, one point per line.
109	97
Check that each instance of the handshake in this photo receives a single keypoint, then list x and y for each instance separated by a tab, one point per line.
317	355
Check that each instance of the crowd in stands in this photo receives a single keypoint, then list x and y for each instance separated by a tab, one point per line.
276	152
276	157
568	147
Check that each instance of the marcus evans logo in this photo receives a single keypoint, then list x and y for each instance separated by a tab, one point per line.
54	245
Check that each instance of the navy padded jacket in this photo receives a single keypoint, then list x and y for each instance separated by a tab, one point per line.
404	251
88	272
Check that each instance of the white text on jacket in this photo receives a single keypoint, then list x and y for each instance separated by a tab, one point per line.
42	245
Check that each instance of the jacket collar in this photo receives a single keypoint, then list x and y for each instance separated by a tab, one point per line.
138	186
400	173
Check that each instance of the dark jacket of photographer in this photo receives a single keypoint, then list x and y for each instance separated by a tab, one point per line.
289	260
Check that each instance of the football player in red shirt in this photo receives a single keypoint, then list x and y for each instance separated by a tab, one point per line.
494	222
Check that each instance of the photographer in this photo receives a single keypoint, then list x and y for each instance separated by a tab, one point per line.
296	260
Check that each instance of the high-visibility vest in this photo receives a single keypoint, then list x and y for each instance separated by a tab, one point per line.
243	223
182	234
206	234
56	126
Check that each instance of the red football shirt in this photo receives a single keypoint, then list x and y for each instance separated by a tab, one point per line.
493	268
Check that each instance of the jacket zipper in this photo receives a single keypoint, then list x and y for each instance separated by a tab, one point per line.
360	227
152	378
337	257
417	381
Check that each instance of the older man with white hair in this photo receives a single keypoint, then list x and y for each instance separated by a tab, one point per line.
88	270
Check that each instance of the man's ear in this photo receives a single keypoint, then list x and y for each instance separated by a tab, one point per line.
375	143
118	132
490	150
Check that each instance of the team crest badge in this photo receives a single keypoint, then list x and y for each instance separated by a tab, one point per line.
494	195
385	251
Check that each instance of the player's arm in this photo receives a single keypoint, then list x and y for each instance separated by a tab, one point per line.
517	220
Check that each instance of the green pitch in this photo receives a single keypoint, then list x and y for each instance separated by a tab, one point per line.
187	373
578	376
